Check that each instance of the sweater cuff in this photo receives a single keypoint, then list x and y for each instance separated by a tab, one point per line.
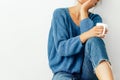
86	24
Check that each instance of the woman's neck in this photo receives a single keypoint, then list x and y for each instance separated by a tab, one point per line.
76	10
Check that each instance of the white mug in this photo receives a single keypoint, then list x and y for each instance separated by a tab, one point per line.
105	26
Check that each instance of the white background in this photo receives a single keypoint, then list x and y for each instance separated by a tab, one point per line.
24	26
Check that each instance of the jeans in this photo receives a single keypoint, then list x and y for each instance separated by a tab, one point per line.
95	52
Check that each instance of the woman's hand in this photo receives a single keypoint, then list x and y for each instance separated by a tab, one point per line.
94	32
85	7
89	4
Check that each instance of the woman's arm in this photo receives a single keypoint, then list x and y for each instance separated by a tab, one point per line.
64	44
94	32
87	24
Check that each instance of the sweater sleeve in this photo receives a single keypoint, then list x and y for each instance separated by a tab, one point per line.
88	23
65	46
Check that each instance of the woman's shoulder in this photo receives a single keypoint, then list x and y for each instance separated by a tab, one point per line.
94	16
59	11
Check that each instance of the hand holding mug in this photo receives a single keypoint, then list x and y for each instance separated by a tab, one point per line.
105	27
97	31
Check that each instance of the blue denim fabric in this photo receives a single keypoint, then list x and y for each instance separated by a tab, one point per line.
66	76
95	52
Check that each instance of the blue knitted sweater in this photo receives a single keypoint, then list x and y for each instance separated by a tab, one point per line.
65	49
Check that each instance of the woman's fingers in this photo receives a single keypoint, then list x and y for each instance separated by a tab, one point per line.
100	35
106	31
89	4
99	27
99	31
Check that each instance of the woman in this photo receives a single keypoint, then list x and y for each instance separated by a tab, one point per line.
76	50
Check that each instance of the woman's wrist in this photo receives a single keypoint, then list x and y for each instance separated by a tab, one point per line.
84	14
84	37
84	9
